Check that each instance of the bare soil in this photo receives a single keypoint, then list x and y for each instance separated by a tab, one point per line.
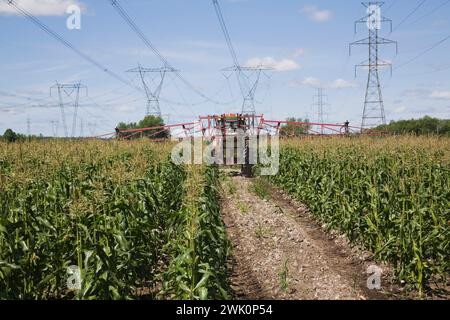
280	252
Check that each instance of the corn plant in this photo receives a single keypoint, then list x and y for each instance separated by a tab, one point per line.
101	206
392	196
199	253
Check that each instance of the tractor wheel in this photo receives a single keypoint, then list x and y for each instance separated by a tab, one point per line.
247	168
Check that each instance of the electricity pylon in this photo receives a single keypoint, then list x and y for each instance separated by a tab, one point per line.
319	103
68	90
55	125
247	77
153	95
248	80
82	128
374	113
28	127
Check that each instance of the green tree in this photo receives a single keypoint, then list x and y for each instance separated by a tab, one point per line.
147	122
295	130
423	126
10	136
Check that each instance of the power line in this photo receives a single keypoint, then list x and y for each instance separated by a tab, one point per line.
68	90
247	77
423	52
415	21
391	6
431	12
226	33
373	113
236	66
192	104
122	12
154	93
67	44
102	116
14	95
409	15
181	95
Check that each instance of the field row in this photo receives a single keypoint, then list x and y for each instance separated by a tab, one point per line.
121	214
392	196
130	224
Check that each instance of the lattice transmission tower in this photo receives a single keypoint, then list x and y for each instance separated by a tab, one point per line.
28	127
68	91
319	104
373	113
248	77
55	125
153	93
81	128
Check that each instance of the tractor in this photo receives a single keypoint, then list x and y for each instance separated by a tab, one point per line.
230	127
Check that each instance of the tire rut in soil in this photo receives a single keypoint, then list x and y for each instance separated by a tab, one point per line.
320	269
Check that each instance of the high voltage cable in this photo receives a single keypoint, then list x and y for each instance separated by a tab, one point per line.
431	12
247	86
122	12
99	106
423	52
67	44
47	104
21	96
86	107
409	15
415	21
226	33
390	7
193	104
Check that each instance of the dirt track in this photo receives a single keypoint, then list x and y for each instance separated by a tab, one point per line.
279	252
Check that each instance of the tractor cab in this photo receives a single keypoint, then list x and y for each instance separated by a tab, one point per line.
231	126
229	123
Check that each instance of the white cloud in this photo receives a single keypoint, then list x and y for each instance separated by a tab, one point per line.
39	7
306	82
341	84
443	95
317	15
311	82
269	62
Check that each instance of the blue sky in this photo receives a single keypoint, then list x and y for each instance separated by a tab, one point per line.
305	41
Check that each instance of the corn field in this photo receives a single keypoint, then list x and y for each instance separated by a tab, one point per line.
134	224
390	195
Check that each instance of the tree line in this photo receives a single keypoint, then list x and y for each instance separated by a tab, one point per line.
11	136
148	122
424	126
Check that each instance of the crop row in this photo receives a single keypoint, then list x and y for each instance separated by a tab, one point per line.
391	196
118	212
